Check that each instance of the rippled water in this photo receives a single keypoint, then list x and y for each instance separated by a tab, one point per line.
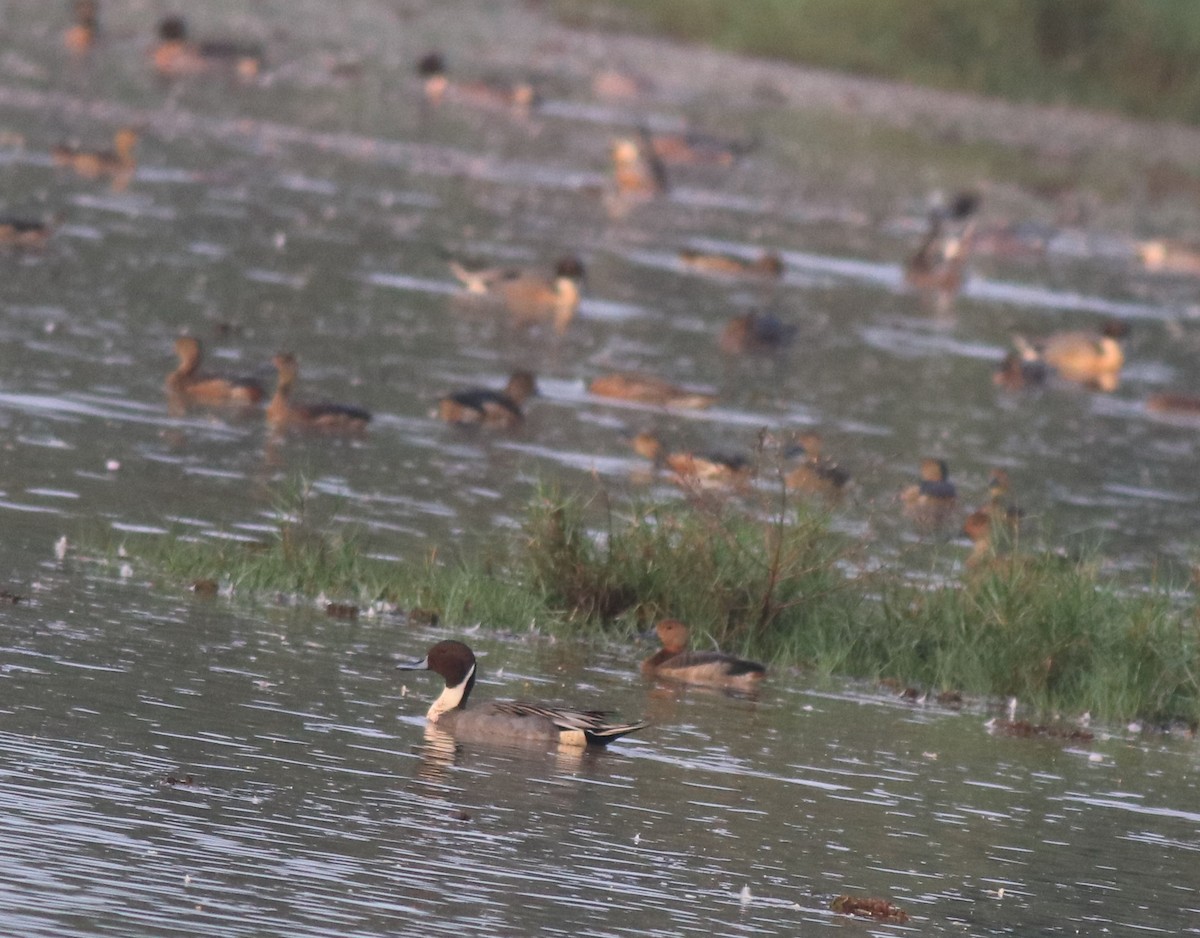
315	212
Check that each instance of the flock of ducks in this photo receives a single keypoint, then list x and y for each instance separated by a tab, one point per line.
532	297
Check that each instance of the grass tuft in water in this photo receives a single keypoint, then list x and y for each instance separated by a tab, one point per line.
780	585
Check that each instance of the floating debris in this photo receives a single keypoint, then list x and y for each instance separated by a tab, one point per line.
12	598
204	587
175	782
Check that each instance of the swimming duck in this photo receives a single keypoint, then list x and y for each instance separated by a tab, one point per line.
674	662
646	389
509	721
24	233
699	470
768	264
488	408
1170	257
697	149
816	474
930	502
283	413
176	55
1017	372
940	262
1090	358
529	295
754	333
517	96
188	383
636	169
81	34
92	164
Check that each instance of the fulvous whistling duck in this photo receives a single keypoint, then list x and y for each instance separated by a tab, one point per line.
674	662
283	413
1091	358
188	383
489	408
768	264
646	389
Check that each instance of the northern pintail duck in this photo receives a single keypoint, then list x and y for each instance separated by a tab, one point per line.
674	662
81	34
497	95
636	169
756	333
768	264
284	413
176	55
646	389
92	164
1091	358
487	408
529	296
188	383
511	721
939	265
931	501
696	469
816	473
24	233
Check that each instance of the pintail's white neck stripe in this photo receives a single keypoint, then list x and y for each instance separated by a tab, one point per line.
452	697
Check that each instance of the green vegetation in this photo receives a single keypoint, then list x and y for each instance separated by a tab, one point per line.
1122	55
782	586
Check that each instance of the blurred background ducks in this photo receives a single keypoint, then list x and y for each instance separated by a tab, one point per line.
520	96
756	333
529	296
637	171
188	384
815	473
82	33
487	408
938	267
177	56
1090	358
696	470
768	264
284	414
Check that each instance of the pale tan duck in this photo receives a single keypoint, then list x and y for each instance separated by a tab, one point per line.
189	384
696	470
1091	358
529	296
637	170
674	662
647	389
508	721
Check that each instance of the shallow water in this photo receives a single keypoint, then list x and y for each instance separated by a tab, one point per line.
316	212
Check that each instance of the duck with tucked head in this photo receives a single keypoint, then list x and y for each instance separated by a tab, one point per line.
1172	402
283	413
177	56
695	469
529	295
1017	373
931	501
486	408
768	264
674	662
518	96
92	164
756	333
1090	358
692	148
508	721
188	384
647	389
24	233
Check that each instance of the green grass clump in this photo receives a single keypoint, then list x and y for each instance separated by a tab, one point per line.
780	585
1114	54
